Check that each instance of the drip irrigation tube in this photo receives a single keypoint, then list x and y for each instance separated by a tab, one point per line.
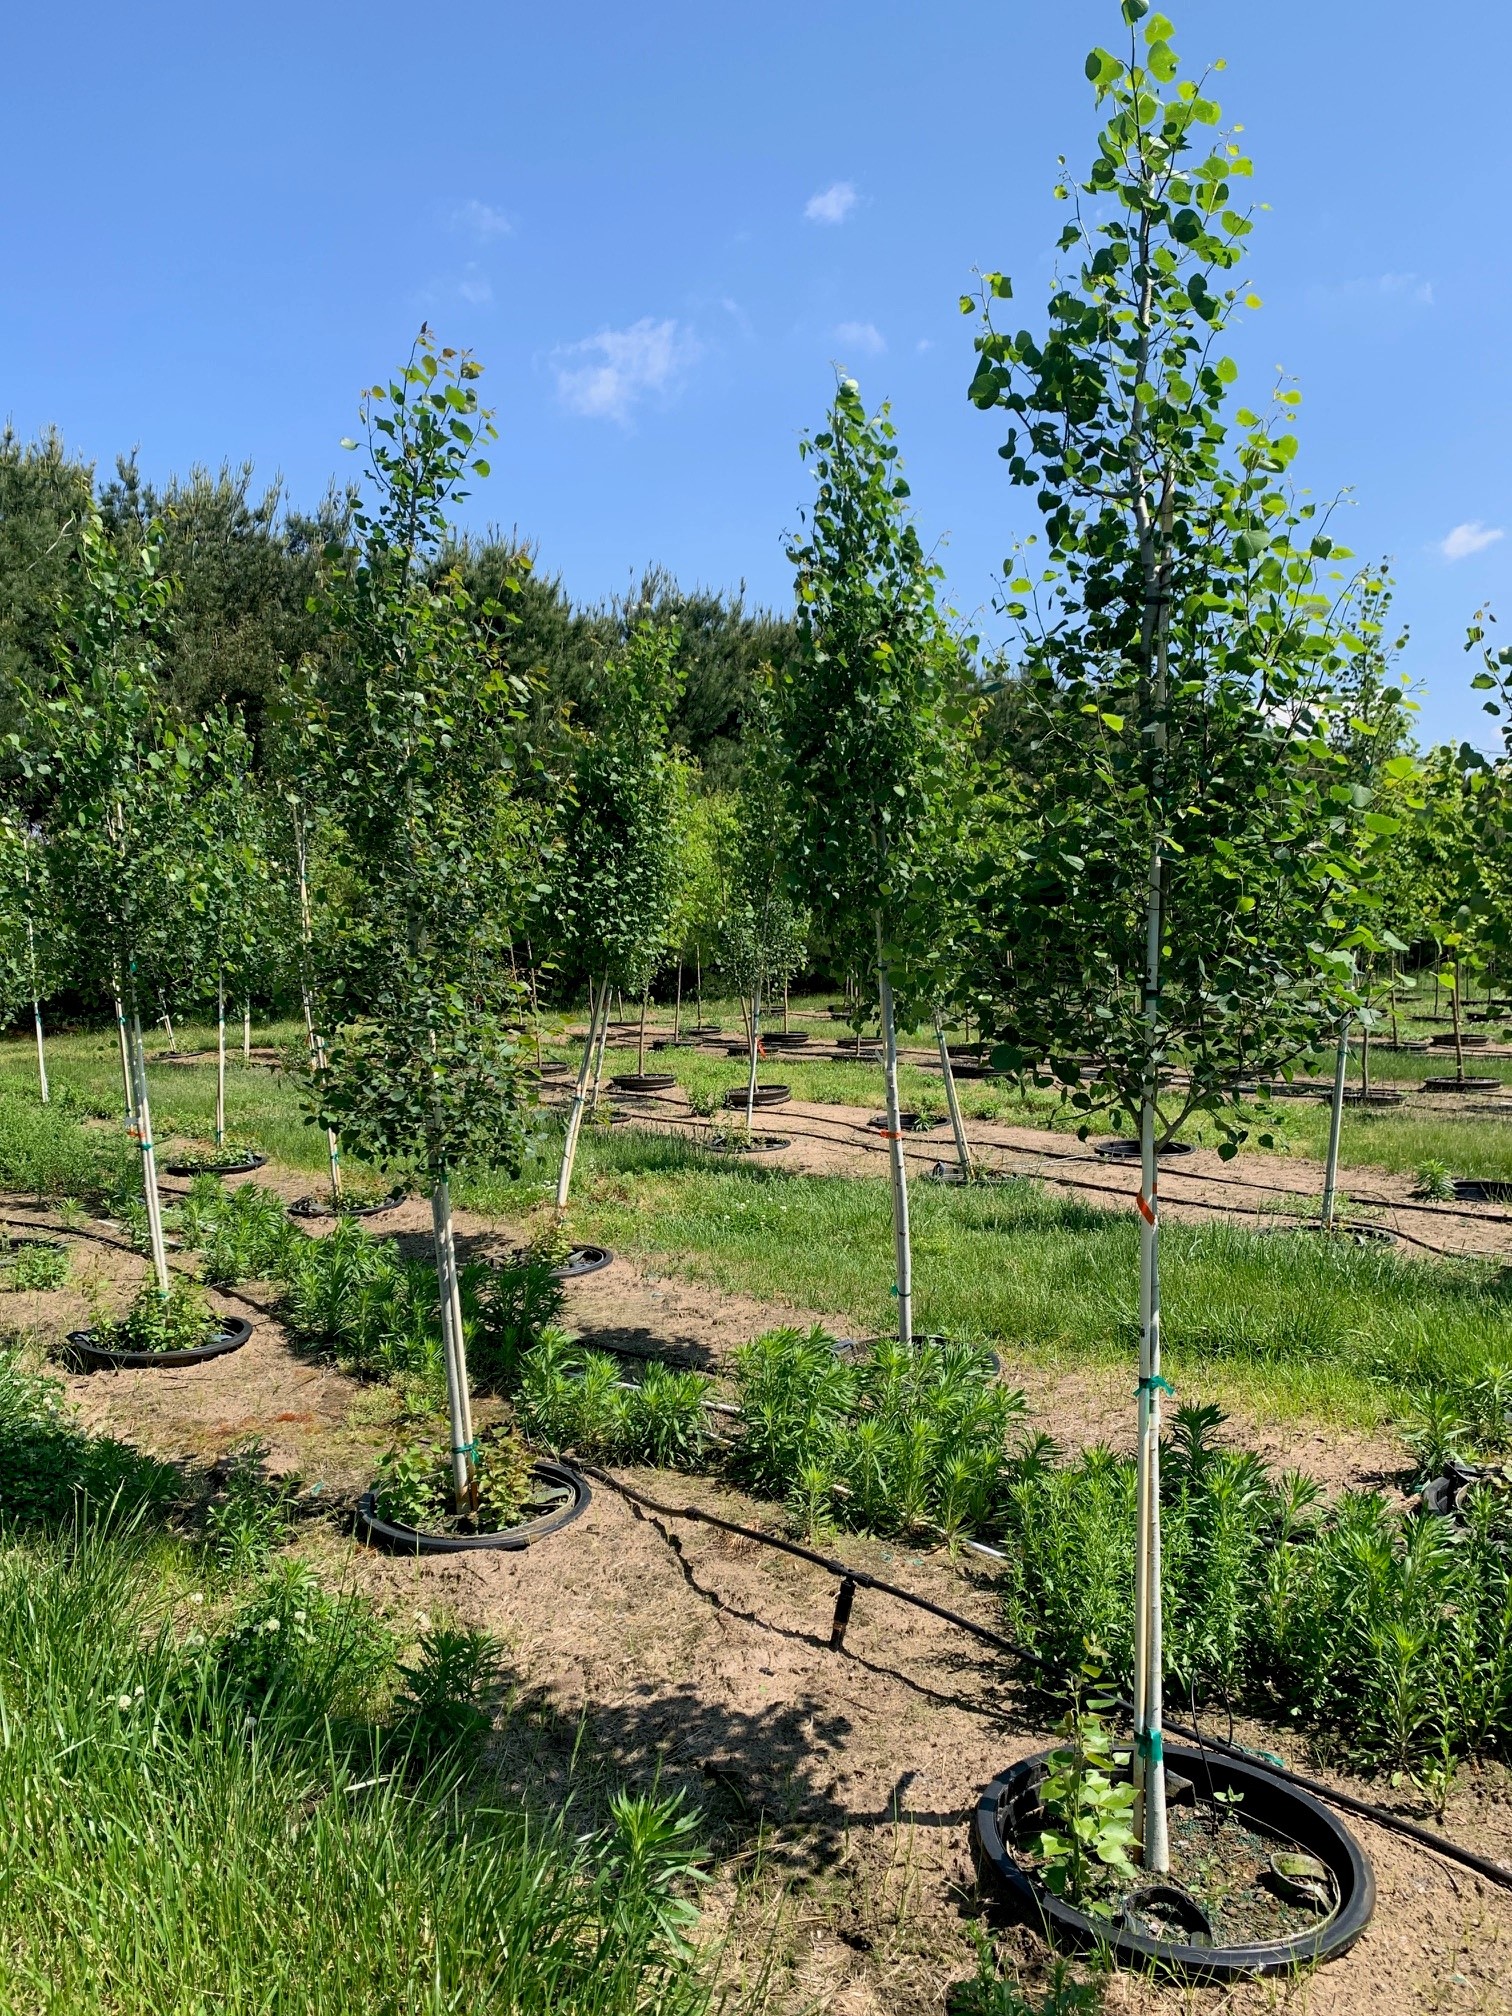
851	1579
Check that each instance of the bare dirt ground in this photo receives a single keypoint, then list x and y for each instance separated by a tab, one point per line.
838	1786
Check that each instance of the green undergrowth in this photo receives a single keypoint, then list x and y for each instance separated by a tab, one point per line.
228	1785
1385	1636
1287	1323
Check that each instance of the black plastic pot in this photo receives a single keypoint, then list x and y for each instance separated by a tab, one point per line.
1482	1190
409	1540
1300	1088
1445	1041
846	1055
1415	1044
643	1081
766	1095
583	1260
950	1172
550	1069
1353	1096
1008	1811
1122	1148
787	1039
910	1123
969	1070
194	1166
854	1350
233	1333
1358	1231
759	1144
1462	1084
316	1207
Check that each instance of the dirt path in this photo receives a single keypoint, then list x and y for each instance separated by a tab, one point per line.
662	1652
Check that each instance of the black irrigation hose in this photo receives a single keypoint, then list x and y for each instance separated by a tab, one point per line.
852	1579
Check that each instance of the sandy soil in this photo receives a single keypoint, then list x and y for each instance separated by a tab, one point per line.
838	1786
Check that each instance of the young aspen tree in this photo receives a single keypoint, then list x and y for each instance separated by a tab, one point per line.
118	768
618	872
416	725
1186	844
866	717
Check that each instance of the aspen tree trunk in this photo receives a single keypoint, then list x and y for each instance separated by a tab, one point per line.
1335	1126
1395	1033
902	1246
1149	1737
128	1074
316	1042
784	1005
1365	1063
458	1400
957	1123
755	1028
677	1006
247	1032
167	1021
640	1054
597	1004
603	1044
148	1147
698	981
31	950
1459	1042
220	1056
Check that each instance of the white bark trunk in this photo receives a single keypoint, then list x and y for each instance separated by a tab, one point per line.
755	1044
902	1246
597	1004
957	1123
148	1147
246	1032
128	1074
220	1058
31	953
1335	1126
458	1400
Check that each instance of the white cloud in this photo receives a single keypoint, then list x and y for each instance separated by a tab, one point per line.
475	286
832	205
482	220
1471	538
1408	287
619	367
863	336
924	343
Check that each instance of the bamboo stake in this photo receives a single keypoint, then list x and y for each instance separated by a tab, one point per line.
458	1400
1335	1125
596	1004
677	1006
698	980
957	1123
640	1054
902	1248
167	1021
247	1032
149	1159
220	1056
784	1004
1454	1009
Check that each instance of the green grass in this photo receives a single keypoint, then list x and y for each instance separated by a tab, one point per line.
1285	1323
264	1110
245	1802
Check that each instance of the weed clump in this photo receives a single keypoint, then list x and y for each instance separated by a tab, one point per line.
906	1439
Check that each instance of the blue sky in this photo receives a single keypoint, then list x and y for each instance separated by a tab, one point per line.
659	228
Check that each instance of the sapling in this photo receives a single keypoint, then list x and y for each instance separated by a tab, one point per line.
1184	845
419	742
617	877
118	767
865	718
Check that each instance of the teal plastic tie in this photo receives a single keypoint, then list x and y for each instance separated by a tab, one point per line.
465	1449
1155	1384
1150	1744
